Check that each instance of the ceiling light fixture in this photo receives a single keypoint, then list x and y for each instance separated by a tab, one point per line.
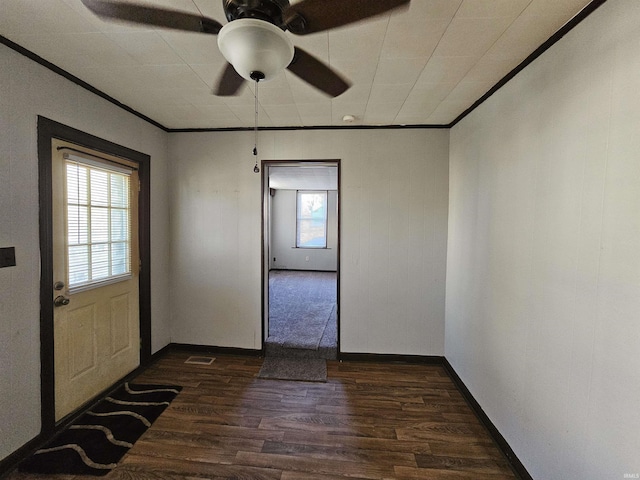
257	49
348	119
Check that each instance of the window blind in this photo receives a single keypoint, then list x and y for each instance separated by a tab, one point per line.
98	222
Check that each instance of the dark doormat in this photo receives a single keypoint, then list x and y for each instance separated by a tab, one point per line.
97	440
301	369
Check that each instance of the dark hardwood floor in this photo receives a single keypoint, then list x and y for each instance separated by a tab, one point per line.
369	421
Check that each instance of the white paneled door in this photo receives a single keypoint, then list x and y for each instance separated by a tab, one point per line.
95	266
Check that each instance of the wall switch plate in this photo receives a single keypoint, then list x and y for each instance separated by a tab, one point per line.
7	257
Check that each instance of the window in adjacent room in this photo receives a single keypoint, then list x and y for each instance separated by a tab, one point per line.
311	221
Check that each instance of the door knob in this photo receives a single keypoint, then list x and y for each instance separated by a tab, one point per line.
60	301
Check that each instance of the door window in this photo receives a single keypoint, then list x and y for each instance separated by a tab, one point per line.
98	223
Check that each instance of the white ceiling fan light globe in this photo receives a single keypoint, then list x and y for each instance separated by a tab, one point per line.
252	45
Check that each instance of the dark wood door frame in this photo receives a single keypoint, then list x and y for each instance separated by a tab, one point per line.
264	228
48	130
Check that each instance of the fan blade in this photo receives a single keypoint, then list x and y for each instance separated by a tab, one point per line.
229	83
316	73
311	16
160	17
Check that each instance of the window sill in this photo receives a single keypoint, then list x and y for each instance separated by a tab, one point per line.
97	284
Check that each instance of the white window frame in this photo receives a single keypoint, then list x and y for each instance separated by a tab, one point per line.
110	169
299	193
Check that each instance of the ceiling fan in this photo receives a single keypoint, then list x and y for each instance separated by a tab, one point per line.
254	42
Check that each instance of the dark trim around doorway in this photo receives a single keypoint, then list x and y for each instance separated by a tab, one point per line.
265	164
47	130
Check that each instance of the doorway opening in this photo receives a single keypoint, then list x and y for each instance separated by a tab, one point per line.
301	259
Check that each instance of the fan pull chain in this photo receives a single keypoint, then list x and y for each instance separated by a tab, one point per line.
256	169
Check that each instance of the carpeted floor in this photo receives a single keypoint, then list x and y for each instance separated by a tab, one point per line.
302	314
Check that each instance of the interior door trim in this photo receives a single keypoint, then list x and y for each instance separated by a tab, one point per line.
47	130
265	245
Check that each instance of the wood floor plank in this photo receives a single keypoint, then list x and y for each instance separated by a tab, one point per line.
466	450
357	443
370	420
331	453
211	442
409	473
445	431
175	451
473	465
448	406
133	465
331	426
289	475
312	465
202	428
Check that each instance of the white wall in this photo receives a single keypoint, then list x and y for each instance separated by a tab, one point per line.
393	198
28	90
283	235
543	276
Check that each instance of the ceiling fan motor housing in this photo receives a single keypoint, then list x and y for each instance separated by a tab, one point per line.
257	49
267	10
255	41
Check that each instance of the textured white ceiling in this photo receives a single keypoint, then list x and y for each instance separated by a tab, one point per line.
421	66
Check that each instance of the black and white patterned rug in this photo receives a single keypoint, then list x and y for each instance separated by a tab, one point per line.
97	440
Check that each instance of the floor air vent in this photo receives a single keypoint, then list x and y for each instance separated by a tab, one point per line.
200	360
